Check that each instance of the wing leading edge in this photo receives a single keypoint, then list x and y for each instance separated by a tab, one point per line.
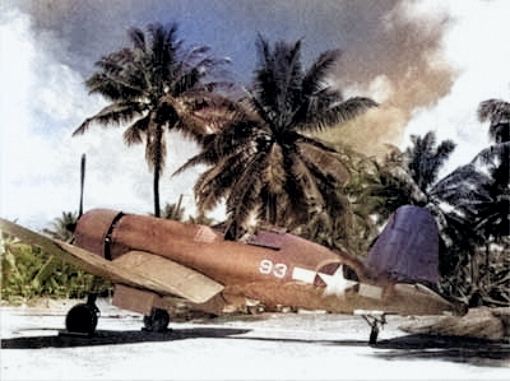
139	269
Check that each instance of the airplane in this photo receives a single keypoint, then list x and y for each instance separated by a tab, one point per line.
154	262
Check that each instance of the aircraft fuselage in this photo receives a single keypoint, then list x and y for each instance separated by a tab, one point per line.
274	268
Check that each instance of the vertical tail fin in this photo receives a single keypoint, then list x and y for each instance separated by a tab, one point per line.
408	247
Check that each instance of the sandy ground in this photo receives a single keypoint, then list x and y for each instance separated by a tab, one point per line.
311	346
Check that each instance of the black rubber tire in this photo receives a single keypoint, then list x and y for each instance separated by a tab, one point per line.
82	318
157	321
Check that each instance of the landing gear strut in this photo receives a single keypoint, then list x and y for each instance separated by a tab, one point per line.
157	321
82	318
376	320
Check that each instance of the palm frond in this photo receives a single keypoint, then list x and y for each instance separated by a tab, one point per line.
277	85
327	163
135	133
218	180
244	195
196	53
493	217
319	119
273	173
492	155
464	190
425	159
494	110
186	81
120	77
164	45
209	190
313	80
305	184
497	112
257	107
321	145
114	114
201	158
137	37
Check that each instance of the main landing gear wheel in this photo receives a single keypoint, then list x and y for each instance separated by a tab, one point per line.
157	321
82	319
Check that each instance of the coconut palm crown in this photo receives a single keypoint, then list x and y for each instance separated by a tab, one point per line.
495	216
426	158
264	164
59	227
154	85
497	112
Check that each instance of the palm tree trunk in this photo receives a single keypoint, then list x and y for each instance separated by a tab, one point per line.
157	208
505	163
158	168
271	209
487	256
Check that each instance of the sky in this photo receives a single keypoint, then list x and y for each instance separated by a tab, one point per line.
428	62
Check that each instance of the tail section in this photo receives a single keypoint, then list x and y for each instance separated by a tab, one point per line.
408	248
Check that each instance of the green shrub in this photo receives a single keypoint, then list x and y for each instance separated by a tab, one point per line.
28	272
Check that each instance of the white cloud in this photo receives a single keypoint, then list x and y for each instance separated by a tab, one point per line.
477	46
42	102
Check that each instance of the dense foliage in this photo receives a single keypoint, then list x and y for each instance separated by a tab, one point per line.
28	272
262	163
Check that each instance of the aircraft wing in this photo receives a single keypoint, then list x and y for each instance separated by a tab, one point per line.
139	269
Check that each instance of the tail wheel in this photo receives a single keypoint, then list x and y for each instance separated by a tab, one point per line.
157	321
82	318
374	333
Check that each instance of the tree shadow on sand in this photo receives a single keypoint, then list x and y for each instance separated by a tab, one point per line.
448	348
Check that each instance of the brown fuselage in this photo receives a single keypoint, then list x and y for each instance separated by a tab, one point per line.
275	268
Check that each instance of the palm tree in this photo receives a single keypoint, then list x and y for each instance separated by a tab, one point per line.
472	210
174	211
403	177
425	159
264	164
497	112
383	187
156	85
60	227
494	216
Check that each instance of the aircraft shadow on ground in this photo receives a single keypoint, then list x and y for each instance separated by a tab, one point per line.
411	347
104	337
448	348
107	337
347	343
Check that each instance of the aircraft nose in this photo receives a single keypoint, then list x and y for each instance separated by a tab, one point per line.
93	229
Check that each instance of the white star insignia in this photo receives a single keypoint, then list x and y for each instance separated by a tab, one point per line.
337	284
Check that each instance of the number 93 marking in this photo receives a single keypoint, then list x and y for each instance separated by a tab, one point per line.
267	267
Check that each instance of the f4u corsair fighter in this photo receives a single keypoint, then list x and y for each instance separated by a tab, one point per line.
153	261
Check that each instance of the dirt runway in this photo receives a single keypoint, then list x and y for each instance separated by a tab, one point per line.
304	346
